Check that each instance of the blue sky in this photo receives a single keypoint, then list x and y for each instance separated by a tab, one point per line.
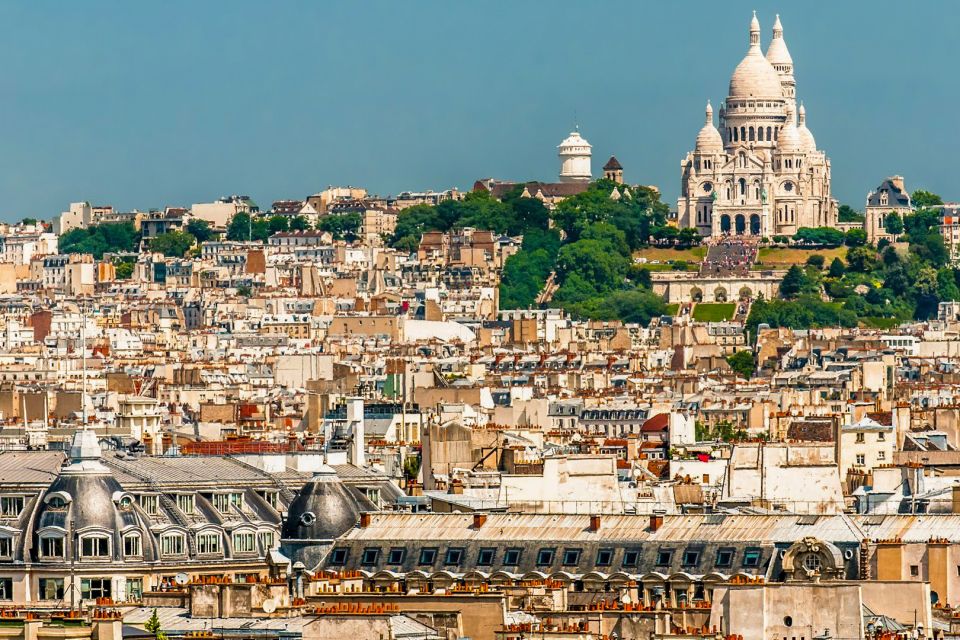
147	104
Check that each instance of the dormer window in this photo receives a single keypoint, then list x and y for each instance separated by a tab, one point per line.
6	547
96	546
57	502
884	198
132	547
11	506
209	543
51	547
149	503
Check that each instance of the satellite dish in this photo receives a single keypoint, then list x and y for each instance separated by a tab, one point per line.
181	579
269	605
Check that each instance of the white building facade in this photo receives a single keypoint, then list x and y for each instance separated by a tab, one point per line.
760	173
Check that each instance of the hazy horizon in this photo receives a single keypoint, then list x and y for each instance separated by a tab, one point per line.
147	105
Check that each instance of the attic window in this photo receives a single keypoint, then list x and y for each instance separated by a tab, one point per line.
664	556
486	556
751	558
512	557
571	557
370	556
724	557
604	557
339	556
453	557
691	558
428	556
631	557
545	557
397	555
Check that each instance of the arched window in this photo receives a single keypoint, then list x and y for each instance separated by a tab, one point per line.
743	186
751	134
735	135
768	133
776	134
132	546
760	134
743	134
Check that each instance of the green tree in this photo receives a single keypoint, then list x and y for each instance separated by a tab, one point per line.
299	223
924	199
743	363
124	270
239	227
837	269
152	625
278	223
344	226
893	224
120	237
172	244
689	237
816	260
793	282
29	222
861	259
411	467
846	213
200	229
855	238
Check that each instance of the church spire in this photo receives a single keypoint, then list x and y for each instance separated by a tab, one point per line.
754	31
709	112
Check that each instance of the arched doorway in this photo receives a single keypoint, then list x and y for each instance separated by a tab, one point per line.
725	223
745	293
720	294
741	224
696	294
755	225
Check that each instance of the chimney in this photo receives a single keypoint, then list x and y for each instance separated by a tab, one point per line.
595	522
365	519
656	520
897	182
479	519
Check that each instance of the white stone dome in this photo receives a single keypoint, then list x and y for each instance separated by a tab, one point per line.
574	142
777	52
755	77
789	140
807	140
709	140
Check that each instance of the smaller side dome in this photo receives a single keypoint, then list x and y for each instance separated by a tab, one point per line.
807	140
789	140
709	140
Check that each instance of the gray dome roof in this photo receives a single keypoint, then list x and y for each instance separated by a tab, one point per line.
323	510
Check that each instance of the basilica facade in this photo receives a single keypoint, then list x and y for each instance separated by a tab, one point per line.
760	173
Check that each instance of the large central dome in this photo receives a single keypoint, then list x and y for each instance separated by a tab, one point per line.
755	77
